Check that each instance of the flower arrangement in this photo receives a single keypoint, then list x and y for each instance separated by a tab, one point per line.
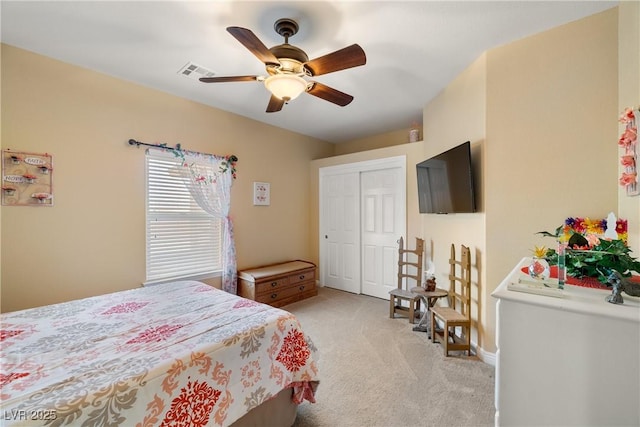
628	141
590	252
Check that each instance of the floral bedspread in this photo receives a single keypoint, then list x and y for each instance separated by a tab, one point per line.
177	354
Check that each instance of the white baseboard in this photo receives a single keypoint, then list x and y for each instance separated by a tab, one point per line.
485	356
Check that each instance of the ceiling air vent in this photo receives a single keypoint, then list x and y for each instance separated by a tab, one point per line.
194	71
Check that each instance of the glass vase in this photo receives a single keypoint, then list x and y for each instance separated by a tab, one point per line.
539	268
562	259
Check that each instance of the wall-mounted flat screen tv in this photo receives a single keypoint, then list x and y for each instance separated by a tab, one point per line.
445	182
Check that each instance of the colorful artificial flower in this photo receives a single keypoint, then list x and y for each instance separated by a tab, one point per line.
229	162
628	178
628	161
593	240
628	137
627	116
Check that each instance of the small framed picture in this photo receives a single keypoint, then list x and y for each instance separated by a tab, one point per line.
261	194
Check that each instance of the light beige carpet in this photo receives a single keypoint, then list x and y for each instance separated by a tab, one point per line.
376	371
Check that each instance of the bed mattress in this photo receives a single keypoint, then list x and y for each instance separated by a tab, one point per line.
177	354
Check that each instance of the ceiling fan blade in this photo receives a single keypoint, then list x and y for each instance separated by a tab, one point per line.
228	79
253	43
329	94
275	104
348	57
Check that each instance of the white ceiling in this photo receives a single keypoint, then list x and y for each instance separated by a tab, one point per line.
414	49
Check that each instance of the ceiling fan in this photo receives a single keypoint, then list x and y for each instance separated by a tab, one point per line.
287	65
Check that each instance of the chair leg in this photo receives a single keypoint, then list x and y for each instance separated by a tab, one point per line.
446	338
433	327
467	333
392	304
412	313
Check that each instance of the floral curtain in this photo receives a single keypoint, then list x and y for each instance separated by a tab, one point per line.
209	179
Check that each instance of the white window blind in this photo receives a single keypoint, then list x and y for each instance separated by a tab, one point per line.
182	239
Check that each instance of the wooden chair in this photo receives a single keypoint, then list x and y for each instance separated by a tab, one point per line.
458	314
401	294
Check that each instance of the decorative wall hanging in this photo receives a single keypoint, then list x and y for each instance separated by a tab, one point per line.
261	194
629	159
27	179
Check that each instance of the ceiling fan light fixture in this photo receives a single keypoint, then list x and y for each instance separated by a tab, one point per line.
286	86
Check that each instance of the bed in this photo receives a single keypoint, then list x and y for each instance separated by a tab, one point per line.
181	353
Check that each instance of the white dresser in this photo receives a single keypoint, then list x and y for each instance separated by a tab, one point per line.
571	361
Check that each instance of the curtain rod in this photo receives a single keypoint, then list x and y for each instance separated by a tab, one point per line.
232	157
162	146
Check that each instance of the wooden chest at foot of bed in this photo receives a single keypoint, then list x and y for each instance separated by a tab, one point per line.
278	284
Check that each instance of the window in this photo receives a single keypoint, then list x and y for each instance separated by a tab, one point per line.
183	241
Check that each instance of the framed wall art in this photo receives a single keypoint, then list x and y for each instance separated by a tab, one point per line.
27	179
261	194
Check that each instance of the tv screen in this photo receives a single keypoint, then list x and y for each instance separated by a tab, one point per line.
445	182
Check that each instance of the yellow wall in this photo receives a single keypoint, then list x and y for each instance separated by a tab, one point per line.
629	96
541	113
92	241
457	115
387	139
551	137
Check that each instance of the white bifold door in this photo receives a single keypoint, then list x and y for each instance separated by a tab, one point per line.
362	215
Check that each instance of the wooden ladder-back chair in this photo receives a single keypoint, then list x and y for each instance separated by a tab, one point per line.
401	294
458	314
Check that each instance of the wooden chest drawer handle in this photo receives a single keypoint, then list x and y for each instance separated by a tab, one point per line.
273	296
301	288
274	284
301	277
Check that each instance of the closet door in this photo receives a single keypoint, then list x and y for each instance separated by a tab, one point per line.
357	198
341	237
382	224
